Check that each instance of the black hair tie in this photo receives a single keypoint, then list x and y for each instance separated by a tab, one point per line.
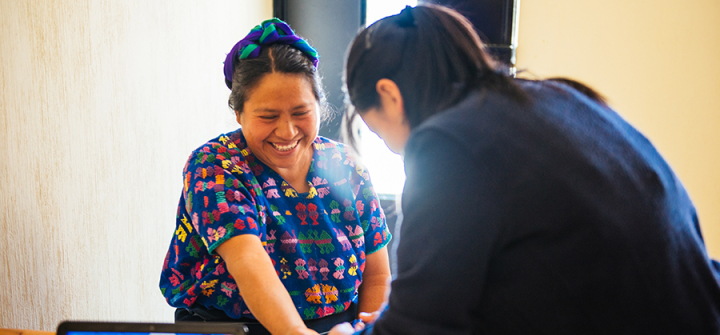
405	18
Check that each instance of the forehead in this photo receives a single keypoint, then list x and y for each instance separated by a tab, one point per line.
281	90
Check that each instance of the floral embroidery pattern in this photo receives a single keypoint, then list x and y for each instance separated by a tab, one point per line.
317	241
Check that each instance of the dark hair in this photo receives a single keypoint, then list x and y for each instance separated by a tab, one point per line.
582	88
434	56
274	58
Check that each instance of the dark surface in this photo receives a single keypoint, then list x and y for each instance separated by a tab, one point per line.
192	316
493	21
121	328
329	26
551	218
492	18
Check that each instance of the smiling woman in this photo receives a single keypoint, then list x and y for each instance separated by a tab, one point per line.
280	123
252	195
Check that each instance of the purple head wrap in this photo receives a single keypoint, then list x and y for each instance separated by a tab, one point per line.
269	32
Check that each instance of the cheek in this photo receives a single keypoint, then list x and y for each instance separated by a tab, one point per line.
256	132
310	126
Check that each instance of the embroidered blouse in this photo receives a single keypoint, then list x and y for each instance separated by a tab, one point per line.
317	241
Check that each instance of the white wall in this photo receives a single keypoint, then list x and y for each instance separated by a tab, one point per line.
101	103
658	62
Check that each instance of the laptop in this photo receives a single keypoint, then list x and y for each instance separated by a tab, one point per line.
131	328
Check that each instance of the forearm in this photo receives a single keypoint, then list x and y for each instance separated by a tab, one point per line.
268	300
371	296
260	287
375	285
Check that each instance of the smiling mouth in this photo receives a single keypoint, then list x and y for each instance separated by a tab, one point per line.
285	147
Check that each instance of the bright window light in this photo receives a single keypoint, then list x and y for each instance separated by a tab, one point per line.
386	167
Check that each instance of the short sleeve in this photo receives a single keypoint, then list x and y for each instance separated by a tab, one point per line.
220	203
372	217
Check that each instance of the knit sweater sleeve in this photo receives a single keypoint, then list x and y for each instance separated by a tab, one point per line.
445	196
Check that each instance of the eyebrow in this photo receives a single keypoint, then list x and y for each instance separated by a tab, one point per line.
271	110
264	110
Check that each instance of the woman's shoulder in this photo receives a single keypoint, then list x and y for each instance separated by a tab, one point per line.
322	143
337	152
336	162
222	150
229	140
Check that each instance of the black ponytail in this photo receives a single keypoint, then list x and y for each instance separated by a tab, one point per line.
434	56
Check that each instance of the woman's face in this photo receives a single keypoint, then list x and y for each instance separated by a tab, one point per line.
280	122
388	119
394	131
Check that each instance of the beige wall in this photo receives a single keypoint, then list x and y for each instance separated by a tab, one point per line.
101	103
658	62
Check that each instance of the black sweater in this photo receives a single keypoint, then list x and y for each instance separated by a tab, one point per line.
553	217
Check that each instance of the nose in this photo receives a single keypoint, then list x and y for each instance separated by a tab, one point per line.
286	129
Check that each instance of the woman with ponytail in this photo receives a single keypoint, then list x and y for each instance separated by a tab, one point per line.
277	227
530	207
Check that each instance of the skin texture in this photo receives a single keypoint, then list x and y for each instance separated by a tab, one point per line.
387	121
264	293
375	281
282	111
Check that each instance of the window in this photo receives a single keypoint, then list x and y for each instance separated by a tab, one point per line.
386	167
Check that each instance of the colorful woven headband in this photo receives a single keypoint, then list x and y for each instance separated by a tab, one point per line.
273	31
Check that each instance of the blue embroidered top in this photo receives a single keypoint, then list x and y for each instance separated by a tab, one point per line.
317	241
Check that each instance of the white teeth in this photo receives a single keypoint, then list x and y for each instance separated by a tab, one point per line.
285	147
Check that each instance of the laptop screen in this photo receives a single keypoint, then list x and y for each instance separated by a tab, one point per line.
128	328
136	333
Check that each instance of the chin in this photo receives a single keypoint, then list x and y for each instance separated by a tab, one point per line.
294	160
394	148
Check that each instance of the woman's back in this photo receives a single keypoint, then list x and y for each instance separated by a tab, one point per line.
554	216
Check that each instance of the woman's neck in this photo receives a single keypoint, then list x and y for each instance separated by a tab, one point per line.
297	177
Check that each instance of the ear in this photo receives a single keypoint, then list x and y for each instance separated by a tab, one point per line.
238	118
391	100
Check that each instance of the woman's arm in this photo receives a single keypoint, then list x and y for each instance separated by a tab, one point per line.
261	288
374	285
449	225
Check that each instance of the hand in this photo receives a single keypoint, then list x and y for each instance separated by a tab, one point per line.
346	328
369	318
365	318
